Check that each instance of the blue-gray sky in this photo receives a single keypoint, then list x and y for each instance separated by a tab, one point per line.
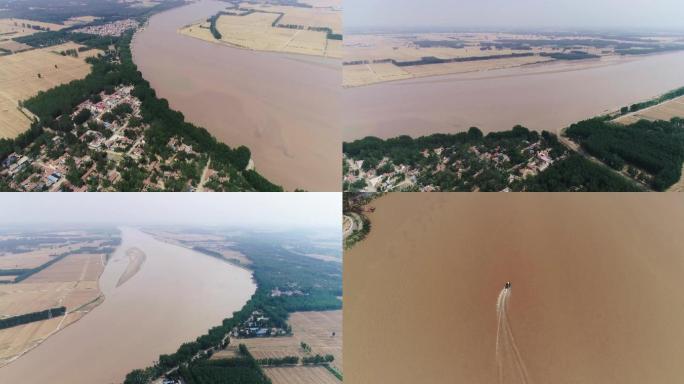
592	14
268	210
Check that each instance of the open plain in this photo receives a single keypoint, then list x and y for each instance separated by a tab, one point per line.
376	58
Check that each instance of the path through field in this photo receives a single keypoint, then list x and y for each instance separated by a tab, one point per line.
509	362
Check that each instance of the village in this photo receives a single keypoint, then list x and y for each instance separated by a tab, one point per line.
106	141
501	167
258	325
116	28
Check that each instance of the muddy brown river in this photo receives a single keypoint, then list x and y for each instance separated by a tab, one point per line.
284	108
595	295
543	97
176	296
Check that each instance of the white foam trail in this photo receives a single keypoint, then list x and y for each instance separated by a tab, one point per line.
507	352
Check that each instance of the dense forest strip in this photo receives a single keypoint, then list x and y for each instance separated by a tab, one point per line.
47	39
578	174
239	370
575	55
31	317
212	25
656	147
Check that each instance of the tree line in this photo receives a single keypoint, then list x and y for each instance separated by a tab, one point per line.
279	361
212	26
31	317
318	359
645	104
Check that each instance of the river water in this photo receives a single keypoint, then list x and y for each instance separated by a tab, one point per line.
541	97
595	295
284	107
177	295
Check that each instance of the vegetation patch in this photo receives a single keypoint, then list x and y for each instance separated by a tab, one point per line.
652	152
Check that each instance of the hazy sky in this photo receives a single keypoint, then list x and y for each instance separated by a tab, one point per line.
604	14
252	209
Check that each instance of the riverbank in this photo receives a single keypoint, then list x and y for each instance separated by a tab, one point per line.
283	107
536	97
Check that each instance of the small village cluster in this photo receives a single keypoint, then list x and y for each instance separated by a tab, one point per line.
116	28
388	176
257	325
91	157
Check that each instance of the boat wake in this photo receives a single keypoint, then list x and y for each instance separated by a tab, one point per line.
510	365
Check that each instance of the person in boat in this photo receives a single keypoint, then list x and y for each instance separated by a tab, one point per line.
508	285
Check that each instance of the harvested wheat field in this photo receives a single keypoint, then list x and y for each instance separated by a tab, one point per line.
13	46
371	73
313	328
256	31
594	298
11	28
36	257
363	51
71	282
300	375
19	77
316	328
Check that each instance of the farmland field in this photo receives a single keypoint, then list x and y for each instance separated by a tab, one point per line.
47	270
255	30
36	257
300	375
313	328
371	58
11	28
26	73
71	282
